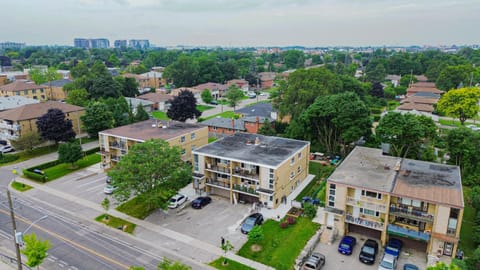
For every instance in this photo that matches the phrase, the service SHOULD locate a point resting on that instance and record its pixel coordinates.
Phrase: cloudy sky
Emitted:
(244, 22)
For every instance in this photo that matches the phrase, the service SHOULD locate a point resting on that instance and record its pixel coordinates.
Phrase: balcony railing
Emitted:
(451, 232)
(225, 183)
(117, 145)
(219, 169)
(364, 222)
(245, 189)
(246, 174)
(8, 126)
(410, 213)
(366, 204)
(404, 232)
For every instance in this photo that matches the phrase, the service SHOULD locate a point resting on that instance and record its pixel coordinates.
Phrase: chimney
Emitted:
(257, 141)
(233, 125)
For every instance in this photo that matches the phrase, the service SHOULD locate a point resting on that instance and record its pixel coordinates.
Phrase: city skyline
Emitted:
(245, 23)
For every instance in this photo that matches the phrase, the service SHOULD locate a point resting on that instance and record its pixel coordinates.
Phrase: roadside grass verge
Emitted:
(160, 115)
(203, 108)
(227, 114)
(63, 169)
(231, 265)
(21, 186)
(280, 246)
(138, 208)
(467, 244)
(116, 223)
(212, 139)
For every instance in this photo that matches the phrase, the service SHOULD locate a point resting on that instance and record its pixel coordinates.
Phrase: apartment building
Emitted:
(378, 196)
(25, 89)
(115, 142)
(250, 168)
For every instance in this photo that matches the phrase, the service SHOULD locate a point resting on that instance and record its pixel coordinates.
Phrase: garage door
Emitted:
(411, 244)
(371, 233)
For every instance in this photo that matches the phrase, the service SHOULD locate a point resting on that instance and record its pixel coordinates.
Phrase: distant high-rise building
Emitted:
(139, 43)
(11, 45)
(81, 43)
(92, 43)
(122, 43)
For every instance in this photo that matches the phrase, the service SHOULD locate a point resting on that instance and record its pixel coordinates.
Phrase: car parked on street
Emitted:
(6, 149)
(177, 200)
(250, 222)
(409, 266)
(314, 262)
(109, 189)
(388, 262)
(346, 245)
(200, 202)
(368, 253)
(394, 247)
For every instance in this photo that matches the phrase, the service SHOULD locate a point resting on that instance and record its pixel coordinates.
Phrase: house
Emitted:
(161, 101)
(197, 93)
(25, 89)
(134, 102)
(262, 110)
(379, 196)
(155, 79)
(54, 89)
(251, 168)
(425, 87)
(7, 103)
(267, 79)
(240, 83)
(3, 79)
(218, 90)
(115, 142)
(422, 102)
(394, 79)
(16, 122)
(225, 126)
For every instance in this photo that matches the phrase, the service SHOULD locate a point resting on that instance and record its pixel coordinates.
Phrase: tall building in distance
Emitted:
(121, 43)
(81, 43)
(139, 43)
(92, 43)
(11, 45)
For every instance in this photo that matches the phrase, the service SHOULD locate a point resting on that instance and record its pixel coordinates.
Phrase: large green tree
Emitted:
(207, 96)
(141, 114)
(78, 97)
(234, 96)
(460, 103)
(463, 147)
(97, 117)
(183, 107)
(27, 141)
(35, 250)
(153, 170)
(183, 72)
(70, 152)
(293, 59)
(53, 126)
(452, 77)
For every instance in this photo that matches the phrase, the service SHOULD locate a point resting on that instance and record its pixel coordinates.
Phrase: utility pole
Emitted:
(14, 226)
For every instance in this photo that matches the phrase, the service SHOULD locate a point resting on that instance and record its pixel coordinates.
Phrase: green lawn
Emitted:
(280, 247)
(227, 114)
(63, 169)
(466, 240)
(454, 123)
(117, 223)
(160, 115)
(137, 207)
(203, 108)
(211, 139)
(231, 265)
(21, 186)
(321, 173)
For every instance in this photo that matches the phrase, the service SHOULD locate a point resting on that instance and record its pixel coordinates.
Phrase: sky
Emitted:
(244, 22)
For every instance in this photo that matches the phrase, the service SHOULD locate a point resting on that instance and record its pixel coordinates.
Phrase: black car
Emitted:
(200, 202)
(369, 251)
(250, 222)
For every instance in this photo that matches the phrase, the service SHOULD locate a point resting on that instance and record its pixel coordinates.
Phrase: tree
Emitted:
(78, 97)
(129, 87)
(377, 90)
(54, 127)
(443, 266)
(70, 152)
(183, 72)
(293, 59)
(141, 114)
(166, 264)
(151, 170)
(405, 133)
(406, 80)
(79, 70)
(452, 77)
(463, 147)
(120, 109)
(460, 103)
(376, 74)
(234, 96)
(27, 141)
(97, 117)
(226, 247)
(267, 129)
(207, 96)
(183, 107)
(35, 250)
(310, 210)
(105, 86)
(106, 205)
(256, 234)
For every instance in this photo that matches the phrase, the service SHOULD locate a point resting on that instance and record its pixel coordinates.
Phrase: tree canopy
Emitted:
(183, 107)
(35, 249)
(78, 97)
(54, 127)
(234, 96)
(70, 152)
(463, 147)
(460, 103)
(97, 117)
(207, 96)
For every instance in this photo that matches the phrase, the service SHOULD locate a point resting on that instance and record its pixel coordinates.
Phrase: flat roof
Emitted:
(152, 129)
(367, 168)
(270, 151)
(430, 181)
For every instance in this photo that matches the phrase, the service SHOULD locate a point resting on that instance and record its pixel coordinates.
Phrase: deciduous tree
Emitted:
(463, 147)
(35, 249)
(207, 96)
(54, 127)
(27, 141)
(70, 152)
(141, 114)
(97, 117)
(78, 97)
(256, 234)
(460, 103)
(166, 264)
(183, 107)
(234, 96)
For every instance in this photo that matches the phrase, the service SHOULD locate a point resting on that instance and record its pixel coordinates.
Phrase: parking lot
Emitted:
(336, 261)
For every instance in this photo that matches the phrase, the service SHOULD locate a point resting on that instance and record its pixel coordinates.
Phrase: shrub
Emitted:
(256, 234)
(8, 158)
(291, 220)
(283, 225)
(310, 210)
(376, 110)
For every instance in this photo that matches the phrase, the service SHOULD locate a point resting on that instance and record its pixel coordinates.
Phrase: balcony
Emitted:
(8, 126)
(115, 158)
(250, 190)
(220, 182)
(248, 174)
(220, 169)
(116, 145)
(366, 204)
(403, 232)
(410, 213)
(364, 222)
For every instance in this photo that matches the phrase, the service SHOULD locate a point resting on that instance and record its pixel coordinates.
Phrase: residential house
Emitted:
(161, 102)
(261, 109)
(394, 79)
(115, 143)
(379, 196)
(134, 102)
(240, 83)
(16, 122)
(251, 168)
(7, 103)
(24, 88)
(419, 102)
(426, 87)
(267, 79)
(197, 93)
(155, 79)
(54, 89)
(224, 126)
(218, 90)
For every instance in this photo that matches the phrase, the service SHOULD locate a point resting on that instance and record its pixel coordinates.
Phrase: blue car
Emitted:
(394, 246)
(346, 245)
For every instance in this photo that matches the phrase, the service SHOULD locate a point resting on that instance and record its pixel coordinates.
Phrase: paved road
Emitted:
(223, 108)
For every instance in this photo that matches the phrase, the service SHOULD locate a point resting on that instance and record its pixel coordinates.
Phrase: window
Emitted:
(369, 212)
(34, 91)
(41, 90)
(292, 161)
(192, 136)
(271, 198)
(182, 139)
(371, 194)
(299, 169)
(331, 197)
(292, 174)
(25, 92)
(299, 156)
(184, 152)
(43, 96)
(193, 147)
(17, 93)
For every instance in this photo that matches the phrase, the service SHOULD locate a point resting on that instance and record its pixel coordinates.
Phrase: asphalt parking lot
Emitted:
(336, 261)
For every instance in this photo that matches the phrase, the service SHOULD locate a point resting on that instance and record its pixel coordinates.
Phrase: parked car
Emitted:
(109, 189)
(388, 262)
(214, 102)
(346, 245)
(177, 200)
(368, 253)
(251, 94)
(250, 222)
(3, 142)
(409, 266)
(314, 262)
(6, 149)
(394, 247)
(200, 202)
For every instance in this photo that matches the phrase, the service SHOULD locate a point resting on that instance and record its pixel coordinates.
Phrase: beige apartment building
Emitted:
(250, 168)
(25, 89)
(379, 196)
(115, 142)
